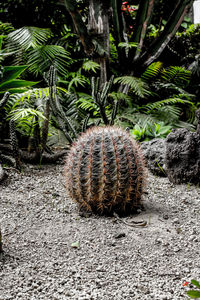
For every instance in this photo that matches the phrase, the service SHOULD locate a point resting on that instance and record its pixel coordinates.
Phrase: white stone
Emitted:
(196, 11)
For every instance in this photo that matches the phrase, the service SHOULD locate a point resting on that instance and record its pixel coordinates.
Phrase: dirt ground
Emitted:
(51, 252)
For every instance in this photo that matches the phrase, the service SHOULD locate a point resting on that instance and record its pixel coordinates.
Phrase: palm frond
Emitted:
(42, 57)
(24, 113)
(137, 85)
(27, 37)
(29, 96)
(6, 28)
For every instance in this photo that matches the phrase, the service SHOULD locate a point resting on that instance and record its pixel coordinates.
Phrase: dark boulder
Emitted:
(154, 153)
(182, 155)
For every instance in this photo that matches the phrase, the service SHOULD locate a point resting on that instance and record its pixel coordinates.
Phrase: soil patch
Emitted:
(51, 252)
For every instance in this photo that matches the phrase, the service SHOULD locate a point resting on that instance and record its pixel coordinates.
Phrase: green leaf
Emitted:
(187, 19)
(196, 283)
(90, 65)
(12, 72)
(14, 90)
(193, 294)
(184, 25)
(165, 129)
(128, 45)
(17, 83)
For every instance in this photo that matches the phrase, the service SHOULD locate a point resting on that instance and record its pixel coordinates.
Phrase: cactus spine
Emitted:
(4, 100)
(14, 144)
(105, 171)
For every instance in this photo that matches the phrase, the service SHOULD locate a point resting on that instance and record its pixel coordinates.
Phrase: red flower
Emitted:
(124, 3)
(185, 283)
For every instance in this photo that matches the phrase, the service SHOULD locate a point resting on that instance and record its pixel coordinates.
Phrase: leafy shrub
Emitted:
(150, 131)
(194, 294)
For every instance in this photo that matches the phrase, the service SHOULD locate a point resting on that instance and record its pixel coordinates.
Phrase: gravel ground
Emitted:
(51, 252)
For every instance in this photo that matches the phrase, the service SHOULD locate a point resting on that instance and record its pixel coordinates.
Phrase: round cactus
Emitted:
(105, 171)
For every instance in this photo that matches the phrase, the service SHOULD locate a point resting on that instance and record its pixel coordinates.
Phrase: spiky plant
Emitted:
(14, 144)
(105, 171)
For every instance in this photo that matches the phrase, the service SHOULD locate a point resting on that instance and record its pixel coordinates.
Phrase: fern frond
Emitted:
(178, 75)
(182, 124)
(78, 80)
(117, 96)
(89, 65)
(152, 71)
(169, 114)
(153, 106)
(170, 87)
(136, 118)
(128, 45)
(86, 103)
(139, 87)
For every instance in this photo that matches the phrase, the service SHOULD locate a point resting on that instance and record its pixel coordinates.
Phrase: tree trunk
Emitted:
(171, 27)
(98, 27)
(142, 20)
(81, 29)
(118, 32)
(95, 38)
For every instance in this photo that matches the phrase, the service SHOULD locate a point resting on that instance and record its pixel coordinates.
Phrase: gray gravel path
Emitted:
(109, 260)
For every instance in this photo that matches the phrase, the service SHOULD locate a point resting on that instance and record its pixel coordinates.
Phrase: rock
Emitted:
(182, 156)
(154, 152)
(119, 235)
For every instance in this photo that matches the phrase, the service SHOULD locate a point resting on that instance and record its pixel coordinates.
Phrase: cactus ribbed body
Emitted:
(105, 171)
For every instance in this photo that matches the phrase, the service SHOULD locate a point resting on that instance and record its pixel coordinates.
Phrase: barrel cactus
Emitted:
(105, 171)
